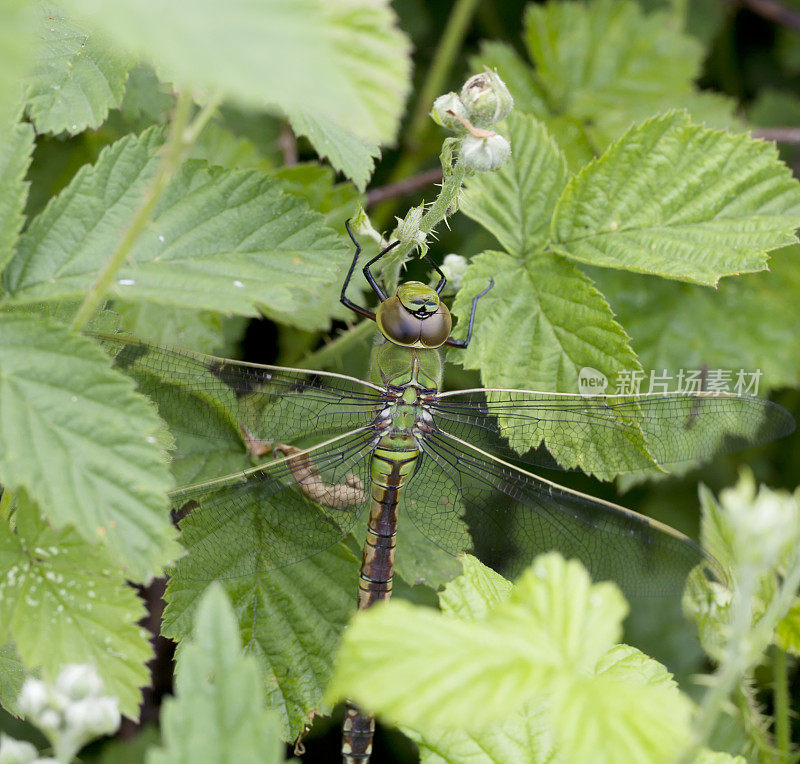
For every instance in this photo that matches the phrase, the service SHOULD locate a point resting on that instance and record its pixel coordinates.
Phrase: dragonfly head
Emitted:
(414, 317)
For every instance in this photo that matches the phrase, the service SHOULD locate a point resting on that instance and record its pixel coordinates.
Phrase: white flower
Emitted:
(79, 680)
(16, 751)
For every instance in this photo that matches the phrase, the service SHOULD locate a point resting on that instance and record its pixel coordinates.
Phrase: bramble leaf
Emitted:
(218, 711)
(678, 200)
(17, 52)
(16, 147)
(735, 328)
(12, 675)
(75, 434)
(290, 619)
(345, 60)
(64, 601)
(78, 76)
(348, 153)
(220, 240)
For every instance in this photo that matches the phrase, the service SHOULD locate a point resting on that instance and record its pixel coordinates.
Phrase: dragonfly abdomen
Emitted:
(392, 463)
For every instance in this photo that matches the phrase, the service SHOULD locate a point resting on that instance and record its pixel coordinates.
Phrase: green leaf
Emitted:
(290, 619)
(77, 77)
(746, 326)
(787, 633)
(681, 201)
(218, 712)
(345, 60)
(476, 592)
(12, 675)
(146, 100)
(64, 601)
(220, 147)
(628, 710)
(17, 51)
(478, 671)
(181, 327)
(75, 434)
(516, 202)
(607, 55)
(220, 240)
(16, 147)
(348, 153)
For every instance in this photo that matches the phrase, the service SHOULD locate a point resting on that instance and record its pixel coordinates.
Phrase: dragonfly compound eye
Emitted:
(410, 328)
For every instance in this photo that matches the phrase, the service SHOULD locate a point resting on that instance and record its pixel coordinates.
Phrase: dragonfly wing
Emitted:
(277, 514)
(213, 397)
(513, 515)
(606, 435)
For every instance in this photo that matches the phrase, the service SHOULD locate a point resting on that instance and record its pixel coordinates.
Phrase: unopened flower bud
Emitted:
(484, 154)
(32, 697)
(93, 716)
(486, 99)
(79, 680)
(408, 230)
(454, 267)
(16, 751)
(444, 111)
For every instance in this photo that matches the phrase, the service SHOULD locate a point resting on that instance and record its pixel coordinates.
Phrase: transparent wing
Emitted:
(276, 514)
(463, 499)
(267, 403)
(609, 434)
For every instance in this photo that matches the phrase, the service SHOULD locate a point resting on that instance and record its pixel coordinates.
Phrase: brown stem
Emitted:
(778, 134)
(287, 144)
(773, 10)
(403, 187)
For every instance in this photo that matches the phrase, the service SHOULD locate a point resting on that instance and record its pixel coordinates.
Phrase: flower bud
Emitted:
(93, 716)
(79, 680)
(484, 154)
(454, 267)
(486, 99)
(16, 751)
(444, 109)
(408, 231)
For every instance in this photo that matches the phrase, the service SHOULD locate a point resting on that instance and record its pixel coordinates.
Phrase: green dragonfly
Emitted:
(447, 463)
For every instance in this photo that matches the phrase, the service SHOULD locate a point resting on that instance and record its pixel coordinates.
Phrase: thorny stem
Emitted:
(181, 136)
(745, 645)
(781, 697)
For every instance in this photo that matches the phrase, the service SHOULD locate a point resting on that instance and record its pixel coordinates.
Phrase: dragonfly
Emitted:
(451, 466)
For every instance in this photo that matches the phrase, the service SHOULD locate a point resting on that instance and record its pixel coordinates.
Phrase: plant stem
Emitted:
(781, 695)
(181, 137)
(443, 60)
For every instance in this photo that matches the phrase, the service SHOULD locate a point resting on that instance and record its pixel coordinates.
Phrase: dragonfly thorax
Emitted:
(414, 317)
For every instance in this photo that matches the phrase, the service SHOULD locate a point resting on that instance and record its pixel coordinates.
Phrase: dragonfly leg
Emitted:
(463, 343)
(344, 299)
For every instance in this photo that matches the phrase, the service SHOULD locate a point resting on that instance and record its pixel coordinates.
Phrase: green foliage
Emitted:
(541, 652)
(63, 600)
(289, 619)
(77, 76)
(210, 224)
(63, 413)
(15, 156)
(681, 201)
(218, 712)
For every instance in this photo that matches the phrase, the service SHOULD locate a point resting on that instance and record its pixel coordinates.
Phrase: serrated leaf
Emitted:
(516, 202)
(474, 593)
(146, 100)
(344, 60)
(75, 434)
(77, 77)
(290, 619)
(17, 51)
(593, 56)
(681, 201)
(16, 148)
(218, 712)
(219, 240)
(63, 601)
(222, 148)
(348, 153)
(12, 675)
(477, 671)
(735, 328)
